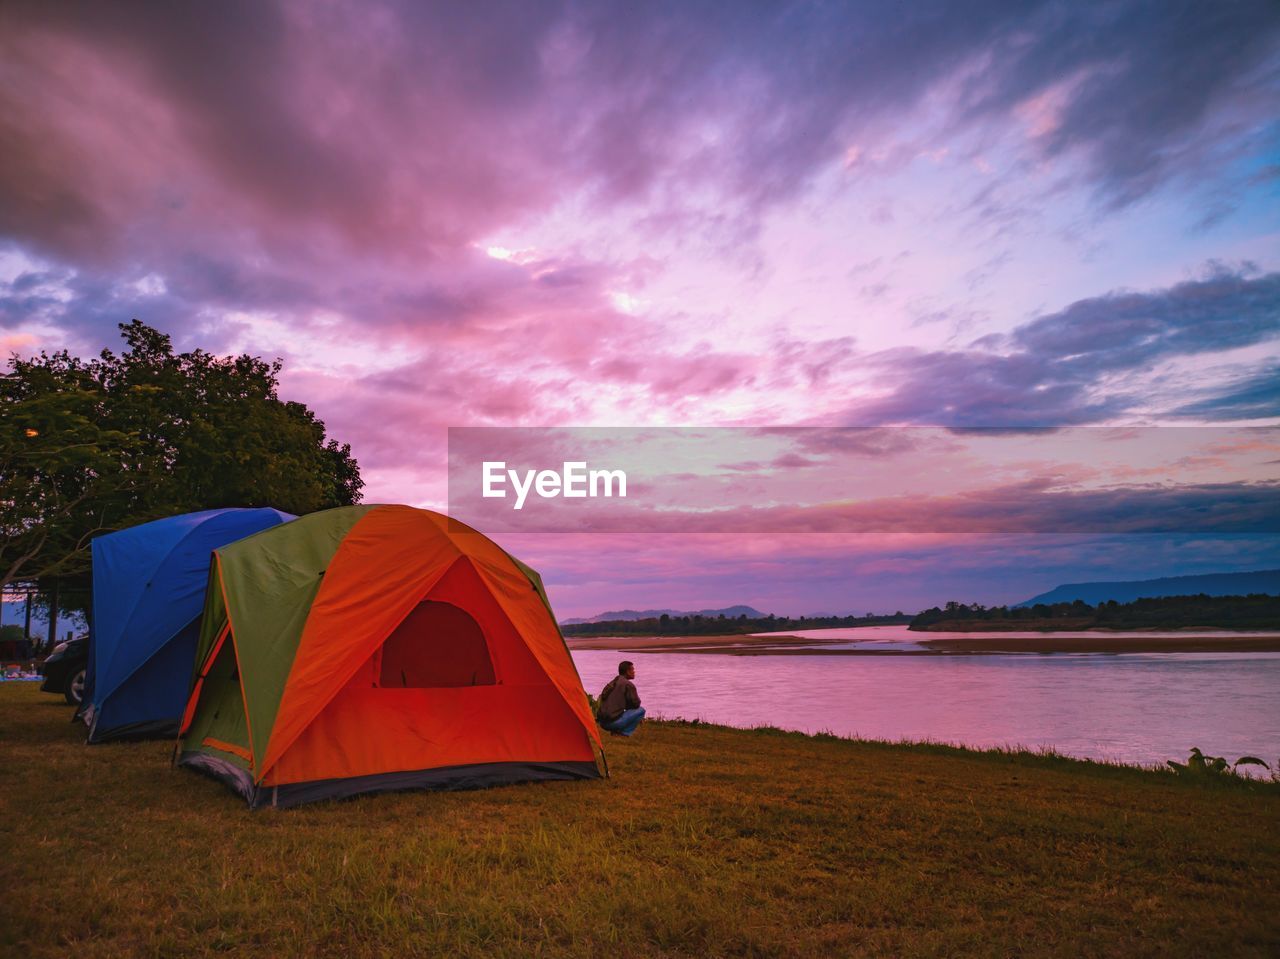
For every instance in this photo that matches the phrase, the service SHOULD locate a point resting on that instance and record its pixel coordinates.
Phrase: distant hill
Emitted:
(1211, 584)
(628, 615)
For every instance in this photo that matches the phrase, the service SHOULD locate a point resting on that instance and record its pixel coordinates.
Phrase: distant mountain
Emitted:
(1211, 584)
(628, 615)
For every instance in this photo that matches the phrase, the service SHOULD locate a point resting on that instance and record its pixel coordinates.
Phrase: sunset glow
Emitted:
(618, 215)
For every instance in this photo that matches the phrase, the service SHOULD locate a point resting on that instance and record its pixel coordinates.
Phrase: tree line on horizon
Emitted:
(1253, 611)
(721, 625)
(92, 446)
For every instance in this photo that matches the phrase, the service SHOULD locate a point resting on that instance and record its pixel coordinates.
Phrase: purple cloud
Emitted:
(1051, 371)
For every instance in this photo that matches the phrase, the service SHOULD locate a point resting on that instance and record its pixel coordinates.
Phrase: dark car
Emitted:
(64, 669)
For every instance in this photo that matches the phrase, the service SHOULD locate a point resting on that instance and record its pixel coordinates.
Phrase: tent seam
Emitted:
(235, 651)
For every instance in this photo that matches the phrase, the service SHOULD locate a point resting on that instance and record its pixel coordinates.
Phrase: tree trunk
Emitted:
(53, 614)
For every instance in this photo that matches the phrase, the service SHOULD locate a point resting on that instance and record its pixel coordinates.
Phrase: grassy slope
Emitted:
(706, 841)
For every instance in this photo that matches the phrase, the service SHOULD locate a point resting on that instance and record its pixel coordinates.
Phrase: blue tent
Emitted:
(148, 594)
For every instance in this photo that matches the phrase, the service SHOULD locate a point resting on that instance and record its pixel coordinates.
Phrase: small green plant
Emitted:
(1198, 764)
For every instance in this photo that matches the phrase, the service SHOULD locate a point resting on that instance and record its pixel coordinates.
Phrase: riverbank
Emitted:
(706, 841)
(922, 644)
(1117, 643)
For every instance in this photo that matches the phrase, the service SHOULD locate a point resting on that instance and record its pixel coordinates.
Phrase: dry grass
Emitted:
(706, 842)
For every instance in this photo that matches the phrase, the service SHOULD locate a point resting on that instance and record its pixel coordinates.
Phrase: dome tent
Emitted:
(148, 595)
(367, 648)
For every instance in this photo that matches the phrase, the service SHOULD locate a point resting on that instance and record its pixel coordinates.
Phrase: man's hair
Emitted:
(624, 666)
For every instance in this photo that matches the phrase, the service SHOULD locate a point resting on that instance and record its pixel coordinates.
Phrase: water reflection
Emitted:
(1134, 708)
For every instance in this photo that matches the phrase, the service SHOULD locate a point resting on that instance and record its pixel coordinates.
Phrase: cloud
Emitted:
(291, 157)
(411, 129)
(1126, 330)
(1253, 395)
(1139, 90)
(1030, 506)
(1076, 365)
(322, 181)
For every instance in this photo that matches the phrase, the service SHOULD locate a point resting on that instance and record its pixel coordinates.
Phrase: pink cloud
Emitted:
(319, 182)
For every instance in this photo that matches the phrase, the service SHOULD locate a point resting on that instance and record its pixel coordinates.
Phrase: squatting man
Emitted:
(620, 711)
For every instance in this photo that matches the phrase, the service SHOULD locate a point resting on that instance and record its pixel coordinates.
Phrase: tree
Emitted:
(66, 471)
(92, 446)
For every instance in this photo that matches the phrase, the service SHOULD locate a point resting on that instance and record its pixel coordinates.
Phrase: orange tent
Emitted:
(380, 647)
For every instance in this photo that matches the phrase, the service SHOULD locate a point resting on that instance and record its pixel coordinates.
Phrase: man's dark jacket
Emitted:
(619, 696)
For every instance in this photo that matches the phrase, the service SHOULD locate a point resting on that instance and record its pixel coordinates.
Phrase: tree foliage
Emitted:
(1255, 611)
(87, 447)
(695, 625)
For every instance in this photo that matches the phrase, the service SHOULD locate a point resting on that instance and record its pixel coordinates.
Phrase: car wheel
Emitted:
(74, 692)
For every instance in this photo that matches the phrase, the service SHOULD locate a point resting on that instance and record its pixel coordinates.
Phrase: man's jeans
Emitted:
(625, 724)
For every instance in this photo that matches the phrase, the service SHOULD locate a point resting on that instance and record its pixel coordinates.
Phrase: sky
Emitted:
(866, 214)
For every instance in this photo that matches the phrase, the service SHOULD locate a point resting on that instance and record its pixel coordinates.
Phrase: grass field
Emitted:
(705, 842)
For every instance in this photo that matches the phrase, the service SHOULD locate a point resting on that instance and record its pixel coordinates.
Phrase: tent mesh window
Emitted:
(438, 644)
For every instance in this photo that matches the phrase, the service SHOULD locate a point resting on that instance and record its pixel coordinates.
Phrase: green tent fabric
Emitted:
(269, 584)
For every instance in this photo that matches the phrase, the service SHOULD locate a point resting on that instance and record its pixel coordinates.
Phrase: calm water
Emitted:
(900, 638)
(1135, 708)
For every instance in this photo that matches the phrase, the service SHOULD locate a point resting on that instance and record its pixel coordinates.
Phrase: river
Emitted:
(1141, 708)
